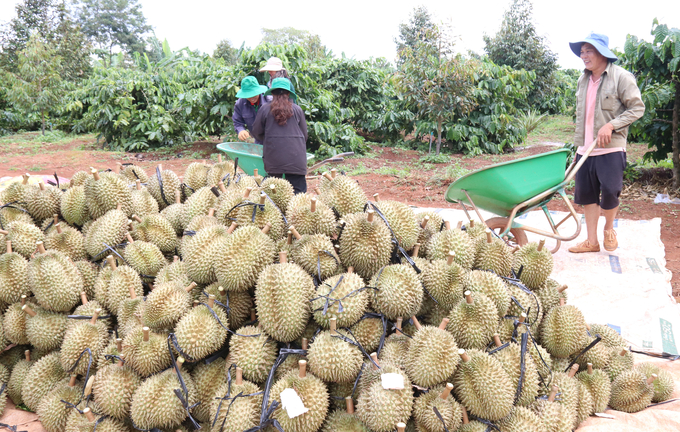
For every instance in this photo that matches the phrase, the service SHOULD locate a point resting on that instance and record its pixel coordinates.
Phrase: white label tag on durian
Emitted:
(603, 415)
(392, 381)
(291, 402)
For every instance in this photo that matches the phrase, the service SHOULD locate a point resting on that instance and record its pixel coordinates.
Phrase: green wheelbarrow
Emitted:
(512, 189)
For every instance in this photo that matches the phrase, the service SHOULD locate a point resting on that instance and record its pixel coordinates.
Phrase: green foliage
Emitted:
(530, 119)
(417, 29)
(435, 158)
(311, 43)
(227, 52)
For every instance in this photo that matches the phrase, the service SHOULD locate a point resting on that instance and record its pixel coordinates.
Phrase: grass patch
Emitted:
(357, 170)
(557, 128)
(435, 158)
(35, 168)
(35, 138)
(395, 172)
(447, 175)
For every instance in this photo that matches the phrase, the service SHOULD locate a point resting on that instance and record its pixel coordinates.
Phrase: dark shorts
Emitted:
(298, 181)
(600, 180)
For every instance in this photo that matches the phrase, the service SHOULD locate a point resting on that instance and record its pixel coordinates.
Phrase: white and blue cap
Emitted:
(599, 41)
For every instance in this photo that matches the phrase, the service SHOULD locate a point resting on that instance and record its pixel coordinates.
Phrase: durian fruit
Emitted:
(142, 201)
(522, 419)
(397, 293)
(242, 256)
(196, 175)
(44, 329)
(207, 379)
(162, 185)
(11, 214)
(54, 280)
(483, 386)
(550, 294)
(586, 404)
(13, 275)
(144, 257)
(550, 412)
(443, 279)
(536, 263)
(455, 240)
(402, 221)
(16, 192)
(313, 393)
(430, 224)
(471, 425)
(68, 241)
(448, 408)
(23, 236)
(14, 322)
(146, 352)
(598, 384)
(380, 408)
(315, 254)
(176, 271)
(473, 321)
(220, 172)
(333, 359)
(282, 296)
(310, 215)
(227, 203)
(78, 179)
(252, 351)
(663, 384)
(476, 231)
(105, 192)
(569, 395)
(493, 254)
(114, 284)
(632, 391)
(368, 332)
(563, 330)
(395, 349)
(89, 419)
(89, 271)
(42, 202)
(263, 216)
(199, 202)
(16, 379)
(610, 337)
(291, 362)
(239, 304)
(200, 251)
(598, 355)
(525, 301)
(621, 360)
(166, 304)
(199, 333)
(431, 356)
(511, 359)
(490, 285)
(365, 243)
(338, 291)
(110, 229)
(342, 193)
(133, 173)
(155, 404)
(344, 420)
(202, 221)
(279, 190)
(174, 213)
(244, 412)
(41, 378)
(73, 206)
(52, 410)
(92, 335)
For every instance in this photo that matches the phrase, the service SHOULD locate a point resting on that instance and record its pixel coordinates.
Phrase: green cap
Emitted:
(250, 87)
(283, 84)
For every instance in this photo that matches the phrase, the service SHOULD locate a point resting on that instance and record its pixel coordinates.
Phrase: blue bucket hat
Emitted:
(599, 41)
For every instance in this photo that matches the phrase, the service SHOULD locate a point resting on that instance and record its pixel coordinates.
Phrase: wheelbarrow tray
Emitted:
(249, 156)
(500, 188)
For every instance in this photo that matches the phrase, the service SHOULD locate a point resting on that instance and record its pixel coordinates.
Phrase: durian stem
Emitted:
(447, 391)
(178, 196)
(652, 378)
(119, 206)
(587, 326)
(95, 174)
(463, 355)
(295, 232)
(562, 302)
(55, 218)
(515, 249)
(27, 355)
(160, 168)
(136, 218)
(119, 345)
(553, 393)
(350, 405)
(222, 291)
(522, 317)
(312, 206)
(190, 287)
(221, 187)
(590, 368)
(263, 198)
(88, 386)
(497, 340)
(83, 297)
(623, 352)
(28, 310)
(401, 427)
(145, 332)
(41, 247)
(72, 381)
(374, 356)
(219, 159)
(232, 227)
(129, 238)
(303, 368)
(211, 212)
(333, 324)
(138, 184)
(489, 238)
(283, 257)
(180, 362)
(117, 168)
(256, 172)
(416, 323)
(423, 224)
(316, 191)
(398, 323)
(305, 344)
(447, 225)
(253, 315)
(211, 300)
(459, 225)
(41, 185)
(350, 270)
(25, 180)
(89, 414)
(450, 257)
(58, 227)
(540, 245)
(376, 197)
(266, 228)
(175, 259)
(562, 288)
(444, 323)
(133, 294)
(121, 362)
(369, 217)
(272, 188)
(334, 172)
(246, 194)
(239, 376)
(573, 370)
(9, 246)
(23, 299)
(289, 240)
(4, 232)
(95, 315)
(466, 420)
(416, 249)
(328, 176)
(468, 297)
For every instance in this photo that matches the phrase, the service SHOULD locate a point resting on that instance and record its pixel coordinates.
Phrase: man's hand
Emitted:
(243, 135)
(604, 136)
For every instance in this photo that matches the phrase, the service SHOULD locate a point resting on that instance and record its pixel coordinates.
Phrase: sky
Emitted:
(364, 29)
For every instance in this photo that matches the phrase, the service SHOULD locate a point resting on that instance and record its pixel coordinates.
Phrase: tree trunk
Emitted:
(676, 138)
(439, 134)
(42, 113)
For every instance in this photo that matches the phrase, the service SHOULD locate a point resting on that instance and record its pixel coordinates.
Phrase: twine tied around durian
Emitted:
(354, 342)
(397, 247)
(212, 312)
(228, 396)
(3, 425)
(89, 365)
(160, 185)
(11, 205)
(182, 394)
(597, 340)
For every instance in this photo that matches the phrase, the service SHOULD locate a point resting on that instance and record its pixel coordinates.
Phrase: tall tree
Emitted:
(415, 31)
(37, 85)
(289, 36)
(226, 51)
(519, 46)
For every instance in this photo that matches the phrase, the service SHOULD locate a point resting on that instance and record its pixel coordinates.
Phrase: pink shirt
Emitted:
(591, 96)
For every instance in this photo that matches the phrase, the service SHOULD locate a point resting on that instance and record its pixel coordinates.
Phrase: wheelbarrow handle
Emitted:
(574, 167)
(342, 155)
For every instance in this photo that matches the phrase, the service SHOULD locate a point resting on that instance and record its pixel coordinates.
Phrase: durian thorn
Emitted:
(652, 378)
(562, 288)
(444, 323)
(41, 247)
(376, 197)
(138, 184)
(136, 218)
(416, 323)
(489, 238)
(95, 315)
(623, 352)
(540, 245)
(463, 355)
(401, 427)
(450, 257)
(350, 269)
(58, 227)
(88, 386)
(239, 376)
(221, 187)
(27, 355)
(180, 362)
(468, 297)
(266, 228)
(334, 172)
(562, 302)
(289, 240)
(178, 196)
(466, 420)
(175, 258)
(83, 297)
(374, 357)
(211, 300)
(232, 227)
(416, 249)
(190, 287)
(246, 194)
(553, 393)
(447, 225)
(295, 232)
(350, 405)
(119, 206)
(305, 343)
(312, 205)
(459, 225)
(334, 325)
(23, 299)
(522, 317)
(328, 176)
(129, 238)
(25, 178)
(497, 340)
(41, 185)
(72, 381)
(369, 217)
(283, 257)
(573, 370)
(447, 391)
(426, 219)
(302, 373)
(119, 345)
(398, 323)
(89, 414)
(9, 246)
(145, 332)
(4, 232)
(211, 212)
(590, 368)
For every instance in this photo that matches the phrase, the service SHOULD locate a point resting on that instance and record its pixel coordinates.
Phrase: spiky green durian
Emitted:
(511, 359)
(89, 271)
(220, 172)
(632, 391)
(16, 191)
(133, 173)
(314, 395)
(522, 419)
(158, 230)
(341, 420)
(243, 412)
(73, 206)
(569, 396)
(663, 384)
(196, 175)
(599, 354)
(174, 214)
(13, 214)
(473, 321)
(610, 337)
(254, 352)
(144, 257)
(431, 356)
(200, 253)
(80, 421)
(455, 240)
(563, 331)
(398, 291)
(268, 214)
(239, 303)
(162, 185)
(41, 378)
(490, 285)
(199, 333)
(340, 290)
(166, 304)
(621, 360)
(146, 352)
(114, 284)
(368, 332)
(333, 359)
(483, 386)
(430, 223)
(175, 271)
(310, 215)
(315, 254)
(551, 413)
(525, 302)
(143, 203)
(241, 258)
(395, 350)
(227, 204)
(365, 243)
(104, 192)
(493, 254)
(78, 179)
(42, 202)
(402, 220)
(598, 385)
(13, 276)
(110, 229)
(202, 221)
(68, 241)
(52, 410)
(447, 407)
(14, 322)
(16, 379)
(342, 193)
(443, 279)
(550, 294)
(23, 236)
(279, 190)
(207, 379)
(199, 203)
(54, 280)
(536, 263)
(93, 335)
(381, 409)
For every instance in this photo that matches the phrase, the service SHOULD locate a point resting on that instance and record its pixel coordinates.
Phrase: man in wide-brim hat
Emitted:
(607, 102)
(246, 107)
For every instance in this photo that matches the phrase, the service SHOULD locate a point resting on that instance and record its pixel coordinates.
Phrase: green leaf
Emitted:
(649, 56)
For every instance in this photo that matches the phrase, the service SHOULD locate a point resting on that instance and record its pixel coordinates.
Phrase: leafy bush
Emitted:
(530, 119)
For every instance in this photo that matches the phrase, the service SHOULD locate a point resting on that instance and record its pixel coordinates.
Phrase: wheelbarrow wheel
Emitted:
(498, 224)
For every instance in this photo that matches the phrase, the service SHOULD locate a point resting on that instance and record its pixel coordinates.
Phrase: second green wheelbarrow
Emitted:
(511, 189)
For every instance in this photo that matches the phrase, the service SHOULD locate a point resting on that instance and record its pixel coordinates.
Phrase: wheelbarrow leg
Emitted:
(553, 227)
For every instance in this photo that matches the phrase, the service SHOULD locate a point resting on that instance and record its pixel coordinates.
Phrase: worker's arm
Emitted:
(259, 125)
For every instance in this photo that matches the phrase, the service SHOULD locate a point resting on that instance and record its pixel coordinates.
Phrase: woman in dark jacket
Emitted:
(281, 128)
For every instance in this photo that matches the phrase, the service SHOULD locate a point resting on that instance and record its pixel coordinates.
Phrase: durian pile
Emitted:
(149, 301)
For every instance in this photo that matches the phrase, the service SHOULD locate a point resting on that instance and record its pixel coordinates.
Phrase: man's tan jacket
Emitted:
(618, 102)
